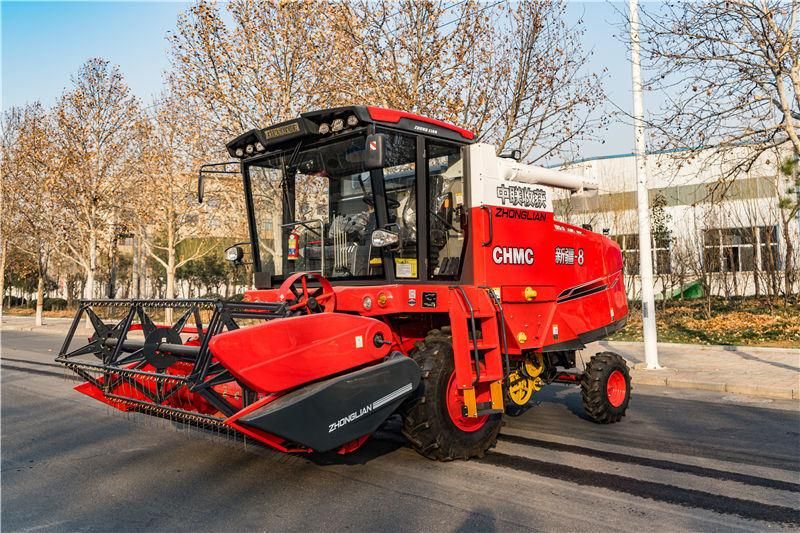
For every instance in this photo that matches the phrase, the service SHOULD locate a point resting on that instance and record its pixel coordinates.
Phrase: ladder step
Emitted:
(482, 346)
(485, 408)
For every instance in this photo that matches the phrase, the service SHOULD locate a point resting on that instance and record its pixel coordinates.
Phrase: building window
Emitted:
(741, 249)
(629, 243)
(768, 244)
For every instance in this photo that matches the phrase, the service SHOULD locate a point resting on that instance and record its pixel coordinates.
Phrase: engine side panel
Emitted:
(559, 283)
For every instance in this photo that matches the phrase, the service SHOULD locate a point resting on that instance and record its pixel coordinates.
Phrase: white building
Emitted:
(717, 226)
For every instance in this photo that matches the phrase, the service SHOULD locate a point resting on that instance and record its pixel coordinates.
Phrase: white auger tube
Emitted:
(513, 171)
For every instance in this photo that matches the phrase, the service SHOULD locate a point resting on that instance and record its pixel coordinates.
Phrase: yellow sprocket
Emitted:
(522, 383)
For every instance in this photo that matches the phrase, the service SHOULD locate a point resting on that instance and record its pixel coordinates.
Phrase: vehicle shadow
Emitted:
(386, 440)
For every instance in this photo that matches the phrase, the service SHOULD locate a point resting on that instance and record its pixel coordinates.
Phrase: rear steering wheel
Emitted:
(300, 297)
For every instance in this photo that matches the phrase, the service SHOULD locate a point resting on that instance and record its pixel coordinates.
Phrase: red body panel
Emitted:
(520, 249)
(283, 354)
(382, 114)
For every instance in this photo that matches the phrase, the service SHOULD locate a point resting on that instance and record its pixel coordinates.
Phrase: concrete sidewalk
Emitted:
(754, 371)
(58, 326)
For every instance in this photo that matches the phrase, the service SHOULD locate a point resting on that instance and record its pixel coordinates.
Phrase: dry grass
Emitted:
(750, 322)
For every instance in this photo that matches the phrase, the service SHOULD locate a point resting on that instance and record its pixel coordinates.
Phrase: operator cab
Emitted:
(361, 195)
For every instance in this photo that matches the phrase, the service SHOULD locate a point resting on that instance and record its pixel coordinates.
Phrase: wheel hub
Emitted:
(616, 388)
(455, 408)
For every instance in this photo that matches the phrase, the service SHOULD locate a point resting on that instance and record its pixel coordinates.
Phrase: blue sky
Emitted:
(44, 43)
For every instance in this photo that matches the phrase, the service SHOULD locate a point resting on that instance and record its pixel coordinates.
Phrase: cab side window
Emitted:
(447, 217)
(400, 184)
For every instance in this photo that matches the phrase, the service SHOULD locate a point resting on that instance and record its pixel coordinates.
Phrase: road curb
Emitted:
(657, 378)
(38, 329)
(723, 347)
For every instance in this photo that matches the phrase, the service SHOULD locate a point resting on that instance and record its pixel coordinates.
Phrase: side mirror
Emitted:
(374, 151)
(382, 238)
(234, 254)
(200, 187)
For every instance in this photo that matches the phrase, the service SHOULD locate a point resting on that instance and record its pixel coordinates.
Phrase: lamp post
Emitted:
(643, 203)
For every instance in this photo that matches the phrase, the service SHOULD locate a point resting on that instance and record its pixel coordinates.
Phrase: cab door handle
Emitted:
(488, 210)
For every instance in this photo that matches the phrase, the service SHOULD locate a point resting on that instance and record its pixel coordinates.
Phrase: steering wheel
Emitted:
(295, 291)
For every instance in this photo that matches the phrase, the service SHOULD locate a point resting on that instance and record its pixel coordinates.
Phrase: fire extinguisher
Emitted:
(293, 251)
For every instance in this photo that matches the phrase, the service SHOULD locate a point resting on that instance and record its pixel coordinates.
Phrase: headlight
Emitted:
(239, 152)
(234, 254)
(352, 120)
(367, 302)
(337, 125)
(259, 147)
(324, 128)
(249, 149)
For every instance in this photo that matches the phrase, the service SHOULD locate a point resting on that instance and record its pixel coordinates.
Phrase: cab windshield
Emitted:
(315, 209)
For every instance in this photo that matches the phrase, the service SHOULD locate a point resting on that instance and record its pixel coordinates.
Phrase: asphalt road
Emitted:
(678, 461)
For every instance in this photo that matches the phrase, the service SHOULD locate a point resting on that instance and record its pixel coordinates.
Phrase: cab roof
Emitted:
(331, 122)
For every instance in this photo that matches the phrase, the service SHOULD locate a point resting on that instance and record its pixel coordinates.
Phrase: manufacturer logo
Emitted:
(377, 404)
(531, 198)
(279, 131)
(423, 129)
(519, 214)
(503, 255)
(355, 415)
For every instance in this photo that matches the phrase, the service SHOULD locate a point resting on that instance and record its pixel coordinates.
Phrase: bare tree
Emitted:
(97, 123)
(262, 67)
(166, 198)
(546, 100)
(729, 72)
(515, 73)
(28, 179)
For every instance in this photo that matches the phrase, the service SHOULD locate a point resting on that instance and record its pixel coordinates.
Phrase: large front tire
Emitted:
(432, 421)
(606, 388)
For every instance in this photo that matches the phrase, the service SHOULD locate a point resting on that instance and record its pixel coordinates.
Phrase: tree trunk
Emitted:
(70, 284)
(40, 300)
(142, 289)
(112, 267)
(88, 288)
(170, 281)
(3, 251)
(788, 265)
(135, 268)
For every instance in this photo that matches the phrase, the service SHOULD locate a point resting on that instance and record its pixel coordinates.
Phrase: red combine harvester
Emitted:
(399, 267)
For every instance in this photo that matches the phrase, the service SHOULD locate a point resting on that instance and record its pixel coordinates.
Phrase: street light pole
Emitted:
(643, 204)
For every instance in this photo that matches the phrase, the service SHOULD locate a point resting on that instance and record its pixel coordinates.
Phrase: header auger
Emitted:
(402, 268)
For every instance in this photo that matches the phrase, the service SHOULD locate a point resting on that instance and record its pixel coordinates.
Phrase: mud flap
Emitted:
(330, 413)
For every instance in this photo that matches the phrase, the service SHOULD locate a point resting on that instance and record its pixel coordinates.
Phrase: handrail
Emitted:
(475, 351)
(491, 228)
(496, 300)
